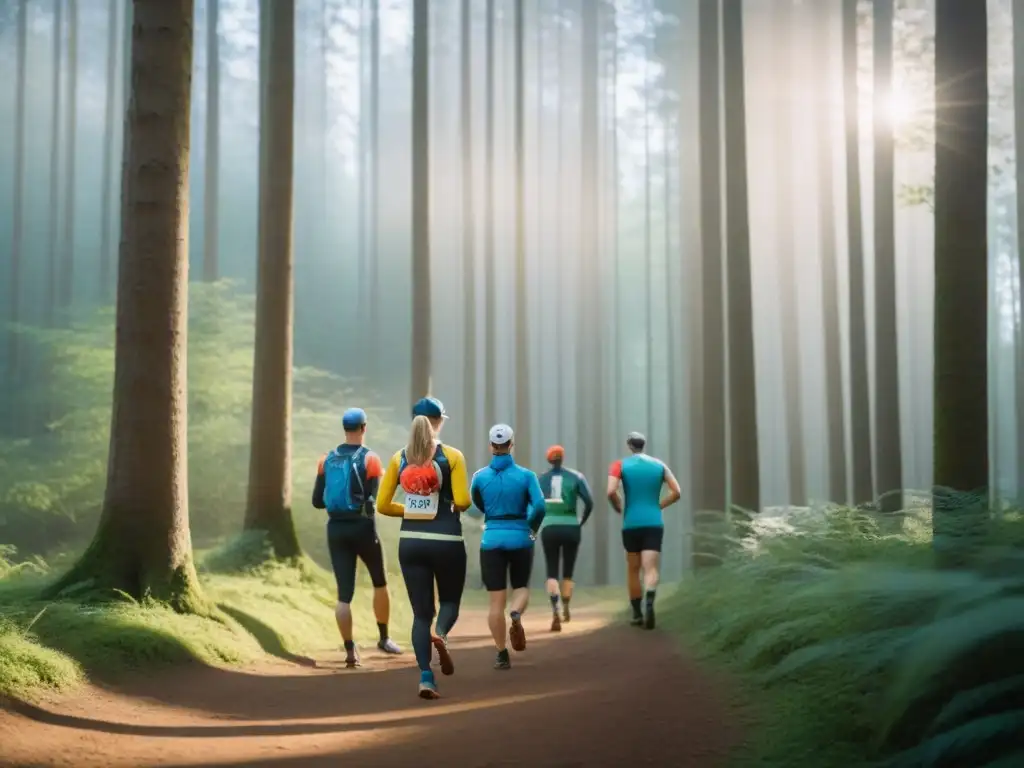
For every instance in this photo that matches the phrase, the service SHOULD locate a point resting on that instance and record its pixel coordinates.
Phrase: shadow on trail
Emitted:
(265, 635)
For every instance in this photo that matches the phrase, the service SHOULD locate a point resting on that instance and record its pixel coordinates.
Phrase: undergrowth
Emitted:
(277, 609)
(855, 650)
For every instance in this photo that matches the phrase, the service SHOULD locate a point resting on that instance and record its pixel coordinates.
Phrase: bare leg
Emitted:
(496, 618)
(651, 561)
(633, 585)
(343, 615)
(381, 605)
(567, 586)
(520, 599)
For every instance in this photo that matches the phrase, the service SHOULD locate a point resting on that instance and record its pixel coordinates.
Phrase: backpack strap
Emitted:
(358, 467)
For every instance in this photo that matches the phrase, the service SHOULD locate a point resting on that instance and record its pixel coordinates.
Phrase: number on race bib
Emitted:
(420, 507)
(556, 488)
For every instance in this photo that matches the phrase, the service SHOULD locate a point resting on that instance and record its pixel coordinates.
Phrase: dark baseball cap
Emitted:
(430, 407)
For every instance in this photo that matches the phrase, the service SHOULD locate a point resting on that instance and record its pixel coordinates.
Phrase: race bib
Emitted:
(420, 507)
(556, 488)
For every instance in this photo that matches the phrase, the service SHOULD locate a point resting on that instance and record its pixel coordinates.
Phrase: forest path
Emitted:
(596, 694)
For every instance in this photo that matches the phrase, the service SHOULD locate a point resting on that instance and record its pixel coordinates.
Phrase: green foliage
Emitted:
(52, 484)
(856, 650)
(275, 609)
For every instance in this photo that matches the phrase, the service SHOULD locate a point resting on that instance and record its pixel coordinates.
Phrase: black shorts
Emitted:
(348, 540)
(560, 542)
(648, 539)
(501, 567)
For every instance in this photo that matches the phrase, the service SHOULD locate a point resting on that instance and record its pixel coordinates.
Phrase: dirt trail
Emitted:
(594, 695)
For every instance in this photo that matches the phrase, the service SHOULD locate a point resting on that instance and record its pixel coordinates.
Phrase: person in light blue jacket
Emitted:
(512, 504)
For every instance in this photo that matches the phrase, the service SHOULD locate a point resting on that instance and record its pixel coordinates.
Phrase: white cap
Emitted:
(501, 434)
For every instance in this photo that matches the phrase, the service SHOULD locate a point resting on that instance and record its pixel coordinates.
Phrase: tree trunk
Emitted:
(820, 33)
(52, 264)
(67, 263)
(17, 203)
(961, 269)
(372, 267)
(745, 477)
(559, 207)
(211, 175)
(648, 297)
(1018, 137)
(468, 231)
(590, 436)
(142, 545)
(421, 319)
(361, 170)
(887, 382)
(860, 388)
(269, 500)
(490, 359)
(788, 274)
(522, 330)
(107, 193)
(710, 480)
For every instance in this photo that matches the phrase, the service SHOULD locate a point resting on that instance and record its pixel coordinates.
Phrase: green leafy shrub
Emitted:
(859, 650)
(52, 484)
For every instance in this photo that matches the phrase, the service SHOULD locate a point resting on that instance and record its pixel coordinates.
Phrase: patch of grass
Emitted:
(284, 610)
(852, 649)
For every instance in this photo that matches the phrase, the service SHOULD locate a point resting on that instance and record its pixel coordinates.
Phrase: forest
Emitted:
(777, 237)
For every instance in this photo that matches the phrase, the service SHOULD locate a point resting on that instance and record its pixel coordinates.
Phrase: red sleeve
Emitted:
(373, 466)
(615, 470)
(320, 466)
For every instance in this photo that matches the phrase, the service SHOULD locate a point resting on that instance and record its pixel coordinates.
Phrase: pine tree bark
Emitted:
(211, 174)
(961, 271)
(745, 477)
(107, 193)
(142, 545)
(17, 201)
(860, 388)
(888, 452)
(269, 497)
(67, 250)
(421, 309)
(468, 230)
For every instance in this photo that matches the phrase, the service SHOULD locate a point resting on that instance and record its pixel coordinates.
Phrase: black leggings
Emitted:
(347, 541)
(560, 541)
(424, 562)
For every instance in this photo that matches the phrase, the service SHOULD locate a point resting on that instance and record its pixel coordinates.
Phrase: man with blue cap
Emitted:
(346, 486)
(513, 507)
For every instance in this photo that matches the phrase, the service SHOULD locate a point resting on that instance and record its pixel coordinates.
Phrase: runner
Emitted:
(560, 536)
(430, 547)
(513, 508)
(641, 477)
(346, 483)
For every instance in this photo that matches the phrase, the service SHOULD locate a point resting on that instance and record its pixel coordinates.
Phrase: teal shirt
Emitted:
(642, 477)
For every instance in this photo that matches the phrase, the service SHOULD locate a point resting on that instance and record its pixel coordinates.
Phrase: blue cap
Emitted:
(430, 407)
(353, 419)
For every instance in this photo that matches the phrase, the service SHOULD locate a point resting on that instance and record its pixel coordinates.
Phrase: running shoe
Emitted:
(389, 646)
(503, 661)
(649, 619)
(517, 635)
(443, 656)
(556, 623)
(428, 688)
(352, 658)
(637, 620)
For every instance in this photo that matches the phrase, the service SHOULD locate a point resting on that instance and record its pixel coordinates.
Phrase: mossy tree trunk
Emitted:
(142, 546)
(269, 499)
(961, 462)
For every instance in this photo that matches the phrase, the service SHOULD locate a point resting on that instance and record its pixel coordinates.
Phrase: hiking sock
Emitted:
(515, 616)
(554, 603)
(649, 600)
(350, 645)
(422, 645)
(635, 603)
(447, 615)
(383, 629)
